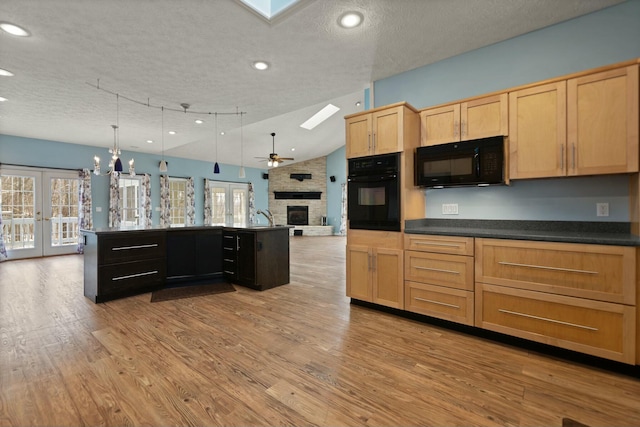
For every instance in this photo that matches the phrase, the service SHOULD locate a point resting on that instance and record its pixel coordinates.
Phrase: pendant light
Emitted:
(216, 167)
(241, 174)
(163, 164)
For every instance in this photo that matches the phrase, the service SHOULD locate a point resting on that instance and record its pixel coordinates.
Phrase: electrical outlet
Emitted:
(449, 209)
(602, 209)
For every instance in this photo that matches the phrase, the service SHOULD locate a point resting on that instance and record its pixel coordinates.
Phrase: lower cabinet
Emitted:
(375, 267)
(438, 273)
(193, 254)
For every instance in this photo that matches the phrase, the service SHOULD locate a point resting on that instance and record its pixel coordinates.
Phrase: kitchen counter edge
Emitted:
(109, 230)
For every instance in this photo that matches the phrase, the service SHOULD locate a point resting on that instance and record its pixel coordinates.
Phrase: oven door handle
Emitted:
(376, 178)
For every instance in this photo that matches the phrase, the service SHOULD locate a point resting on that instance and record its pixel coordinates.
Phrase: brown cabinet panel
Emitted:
(453, 245)
(454, 305)
(454, 271)
(131, 246)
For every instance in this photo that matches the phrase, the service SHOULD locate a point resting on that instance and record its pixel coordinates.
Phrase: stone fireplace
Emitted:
(297, 215)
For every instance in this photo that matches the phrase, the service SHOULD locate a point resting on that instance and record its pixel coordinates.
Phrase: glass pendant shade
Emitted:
(216, 168)
(242, 174)
(163, 166)
(117, 166)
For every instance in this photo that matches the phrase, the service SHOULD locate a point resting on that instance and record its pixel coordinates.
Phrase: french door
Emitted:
(229, 203)
(39, 212)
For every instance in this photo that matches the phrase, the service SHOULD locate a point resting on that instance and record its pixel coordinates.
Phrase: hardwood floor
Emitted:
(298, 354)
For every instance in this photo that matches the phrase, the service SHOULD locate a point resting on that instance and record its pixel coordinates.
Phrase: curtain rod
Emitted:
(39, 167)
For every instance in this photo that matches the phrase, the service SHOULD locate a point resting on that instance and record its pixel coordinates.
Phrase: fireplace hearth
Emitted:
(297, 215)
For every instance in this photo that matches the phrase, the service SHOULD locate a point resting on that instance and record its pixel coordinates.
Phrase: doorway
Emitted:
(229, 203)
(39, 212)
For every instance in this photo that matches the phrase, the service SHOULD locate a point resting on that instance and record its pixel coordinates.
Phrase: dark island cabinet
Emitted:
(256, 258)
(193, 254)
(118, 265)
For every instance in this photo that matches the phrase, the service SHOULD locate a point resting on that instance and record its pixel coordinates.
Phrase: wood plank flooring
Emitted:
(298, 354)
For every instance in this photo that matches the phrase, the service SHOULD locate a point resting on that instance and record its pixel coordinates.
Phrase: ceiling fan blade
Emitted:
(285, 158)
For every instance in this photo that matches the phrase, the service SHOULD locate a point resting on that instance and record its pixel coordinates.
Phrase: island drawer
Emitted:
(437, 301)
(131, 246)
(599, 272)
(131, 275)
(454, 245)
(453, 271)
(599, 328)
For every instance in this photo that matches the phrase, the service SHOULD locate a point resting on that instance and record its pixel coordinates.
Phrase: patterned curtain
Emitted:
(3, 249)
(146, 200)
(208, 203)
(191, 202)
(165, 202)
(115, 211)
(85, 220)
(343, 211)
(252, 205)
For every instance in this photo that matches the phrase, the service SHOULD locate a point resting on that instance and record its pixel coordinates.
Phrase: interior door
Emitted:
(39, 212)
(229, 204)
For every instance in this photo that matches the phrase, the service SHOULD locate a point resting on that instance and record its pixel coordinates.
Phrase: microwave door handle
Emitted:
(376, 178)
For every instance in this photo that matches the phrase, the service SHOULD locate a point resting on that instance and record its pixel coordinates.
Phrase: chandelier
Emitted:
(115, 164)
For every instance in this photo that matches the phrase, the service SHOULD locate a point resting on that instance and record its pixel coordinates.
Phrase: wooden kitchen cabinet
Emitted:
(374, 267)
(379, 131)
(586, 125)
(473, 119)
(577, 296)
(439, 277)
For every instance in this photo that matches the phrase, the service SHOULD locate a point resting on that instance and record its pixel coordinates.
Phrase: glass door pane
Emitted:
(240, 199)
(61, 205)
(21, 213)
(229, 204)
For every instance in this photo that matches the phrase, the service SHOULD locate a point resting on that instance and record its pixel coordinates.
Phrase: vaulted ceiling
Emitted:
(200, 53)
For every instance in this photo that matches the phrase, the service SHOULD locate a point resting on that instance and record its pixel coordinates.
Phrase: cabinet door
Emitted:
(484, 117)
(359, 272)
(388, 283)
(246, 265)
(537, 131)
(440, 125)
(181, 253)
(358, 137)
(387, 130)
(209, 252)
(603, 122)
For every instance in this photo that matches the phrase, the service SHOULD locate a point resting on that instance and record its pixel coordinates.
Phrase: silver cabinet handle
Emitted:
(562, 157)
(237, 243)
(573, 156)
(543, 267)
(452, 245)
(546, 319)
(229, 260)
(455, 128)
(463, 130)
(369, 141)
(131, 276)
(417, 267)
(230, 272)
(374, 141)
(124, 248)
(437, 302)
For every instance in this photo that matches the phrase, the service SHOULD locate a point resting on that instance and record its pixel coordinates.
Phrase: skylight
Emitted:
(269, 9)
(320, 117)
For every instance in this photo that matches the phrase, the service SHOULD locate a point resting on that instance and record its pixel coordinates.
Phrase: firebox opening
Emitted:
(297, 215)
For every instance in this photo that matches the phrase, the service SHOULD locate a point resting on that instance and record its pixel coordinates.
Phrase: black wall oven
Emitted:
(373, 192)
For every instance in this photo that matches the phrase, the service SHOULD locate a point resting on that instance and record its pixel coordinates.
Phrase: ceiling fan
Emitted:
(274, 159)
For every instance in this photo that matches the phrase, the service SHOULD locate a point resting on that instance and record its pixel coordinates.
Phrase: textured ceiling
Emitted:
(199, 52)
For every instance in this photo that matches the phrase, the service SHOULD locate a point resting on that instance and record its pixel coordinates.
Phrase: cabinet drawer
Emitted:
(131, 275)
(440, 244)
(594, 327)
(131, 246)
(453, 271)
(444, 303)
(606, 273)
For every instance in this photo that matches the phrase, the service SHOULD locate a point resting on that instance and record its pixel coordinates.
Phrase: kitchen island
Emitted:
(123, 262)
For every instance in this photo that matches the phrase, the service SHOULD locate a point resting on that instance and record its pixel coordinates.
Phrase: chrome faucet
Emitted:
(267, 215)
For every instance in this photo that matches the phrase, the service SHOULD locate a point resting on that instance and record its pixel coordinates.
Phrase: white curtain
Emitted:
(208, 203)
(115, 211)
(191, 202)
(252, 205)
(3, 249)
(146, 200)
(165, 202)
(343, 211)
(85, 220)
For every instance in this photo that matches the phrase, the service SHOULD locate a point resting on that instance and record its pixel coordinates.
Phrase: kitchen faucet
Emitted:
(267, 215)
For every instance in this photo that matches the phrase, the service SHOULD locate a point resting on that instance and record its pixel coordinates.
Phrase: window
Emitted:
(229, 203)
(178, 202)
(130, 196)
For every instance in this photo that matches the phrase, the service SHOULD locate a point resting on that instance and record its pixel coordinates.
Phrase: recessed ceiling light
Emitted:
(357, 103)
(149, 141)
(222, 133)
(320, 117)
(350, 19)
(5, 73)
(172, 132)
(2, 99)
(198, 121)
(14, 29)
(260, 65)
(293, 149)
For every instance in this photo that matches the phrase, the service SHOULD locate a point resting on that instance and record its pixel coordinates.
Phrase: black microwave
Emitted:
(478, 162)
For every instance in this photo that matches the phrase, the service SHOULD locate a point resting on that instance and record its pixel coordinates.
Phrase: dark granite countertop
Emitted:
(106, 230)
(601, 233)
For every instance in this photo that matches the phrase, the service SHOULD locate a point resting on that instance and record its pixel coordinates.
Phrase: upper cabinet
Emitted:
(379, 131)
(477, 118)
(586, 125)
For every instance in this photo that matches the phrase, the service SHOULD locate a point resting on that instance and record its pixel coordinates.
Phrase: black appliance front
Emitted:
(477, 162)
(373, 192)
